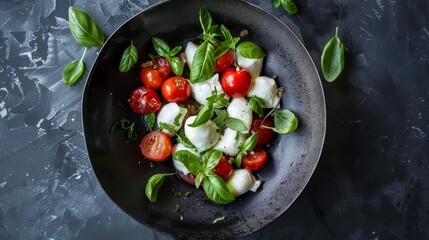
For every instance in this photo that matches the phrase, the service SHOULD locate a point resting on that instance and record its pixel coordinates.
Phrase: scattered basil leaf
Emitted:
(205, 19)
(177, 193)
(216, 190)
(204, 115)
(276, 3)
(203, 63)
(285, 122)
(129, 58)
(218, 219)
(154, 184)
(235, 124)
(248, 49)
(211, 158)
(288, 5)
(218, 99)
(73, 71)
(189, 193)
(177, 208)
(149, 121)
(176, 65)
(161, 47)
(257, 104)
(247, 146)
(191, 162)
(84, 29)
(151, 164)
(332, 60)
(127, 125)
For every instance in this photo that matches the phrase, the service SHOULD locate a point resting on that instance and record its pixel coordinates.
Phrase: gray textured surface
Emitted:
(372, 181)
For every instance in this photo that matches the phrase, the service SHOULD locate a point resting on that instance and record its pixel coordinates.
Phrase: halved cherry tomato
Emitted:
(153, 76)
(255, 159)
(176, 89)
(144, 100)
(236, 83)
(224, 61)
(265, 135)
(156, 146)
(223, 169)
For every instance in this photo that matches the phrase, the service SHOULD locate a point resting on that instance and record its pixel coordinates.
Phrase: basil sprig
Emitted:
(246, 147)
(220, 120)
(214, 187)
(154, 184)
(249, 49)
(288, 5)
(162, 48)
(206, 112)
(127, 125)
(129, 58)
(203, 64)
(235, 124)
(74, 70)
(332, 60)
(285, 122)
(257, 104)
(84, 29)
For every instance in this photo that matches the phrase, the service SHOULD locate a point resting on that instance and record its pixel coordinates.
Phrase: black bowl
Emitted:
(123, 172)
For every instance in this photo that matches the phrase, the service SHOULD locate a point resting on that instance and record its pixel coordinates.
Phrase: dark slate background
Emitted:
(372, 181)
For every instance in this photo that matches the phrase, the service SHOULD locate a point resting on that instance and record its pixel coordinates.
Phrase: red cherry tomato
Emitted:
(255, 159)
(236, 83)
(156, 146)
(176, 89)
(144, 100)
(153, 76)
(265, 135)
(223, 169)
(224, 61)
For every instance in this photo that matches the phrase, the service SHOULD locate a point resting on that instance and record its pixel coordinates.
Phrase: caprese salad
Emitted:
(215, 120)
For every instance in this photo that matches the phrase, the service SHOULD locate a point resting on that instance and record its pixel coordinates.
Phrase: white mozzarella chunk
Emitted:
(266, 89)
(179, 165)
(171, 114)
(241, 181)
(229, 142)
(190, 50)
(202, 137)
(239, 108)
(204, 89)
(254, 66)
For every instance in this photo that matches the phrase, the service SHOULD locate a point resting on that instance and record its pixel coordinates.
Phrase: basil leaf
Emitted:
(74, 70)
(257, 104)
(203, 63)
(288, 5)
(285, 122)
(129, 58)
(200, 177)
(125, 125)
(154, 184)
(235, 124)
(149, 121)
(161, 47)
(181, 138)
(216, 190)
(203, 116)
(276, 3)
(175, 51)
(191, 162)
(205, 19)
(176, 65)
(218, 219)
(248, 49)
(211, 158)
(248, 145)
(177, 119)
(167, 127)
(332, 60)
(220, 51)
(84, 29)
(226, 33)
(238, 159)
(219, 120)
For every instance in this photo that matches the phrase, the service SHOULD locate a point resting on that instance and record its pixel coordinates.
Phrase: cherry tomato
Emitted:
(176, 89)
(223, 169)
(265, 135)
(144, 100)
(236, 83)
(224, 61)
(153, 76)
(156, 146)
(188, 178)
(255, 159)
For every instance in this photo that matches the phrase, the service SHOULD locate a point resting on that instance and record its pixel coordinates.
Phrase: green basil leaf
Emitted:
(257, 104)
(154, 184)
(238, 159)
(285, 121)
(177, 65)
(219, 120)
(289, 6)
(211, 158)
(161, 47)
(175, 51)
(276, 3)
(167, 127)
(205, 19)
(220, 51)
(250, 142)
(149, 121)
(200, 177)
(129, 58)
(203, 116)
(125, 125)
(332, 60)
(191, 162)
(218, 219)
(226, 34)
(235, 124)
(84, 29)
(74, 70)
(181, 138)
(248, 49)
(216, 190)
(203, 63)
(177, 119)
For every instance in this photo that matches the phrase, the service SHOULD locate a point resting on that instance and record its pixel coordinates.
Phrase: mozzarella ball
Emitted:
(254, 66)
(266, 89)
(204, 89)
(229, 142)
(202, 137)
(241, 181)
(179, 165)
(239, 108)
(171, 114)
(190, 50)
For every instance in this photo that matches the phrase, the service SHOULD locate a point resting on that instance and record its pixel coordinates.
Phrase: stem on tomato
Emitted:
(280, 92)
